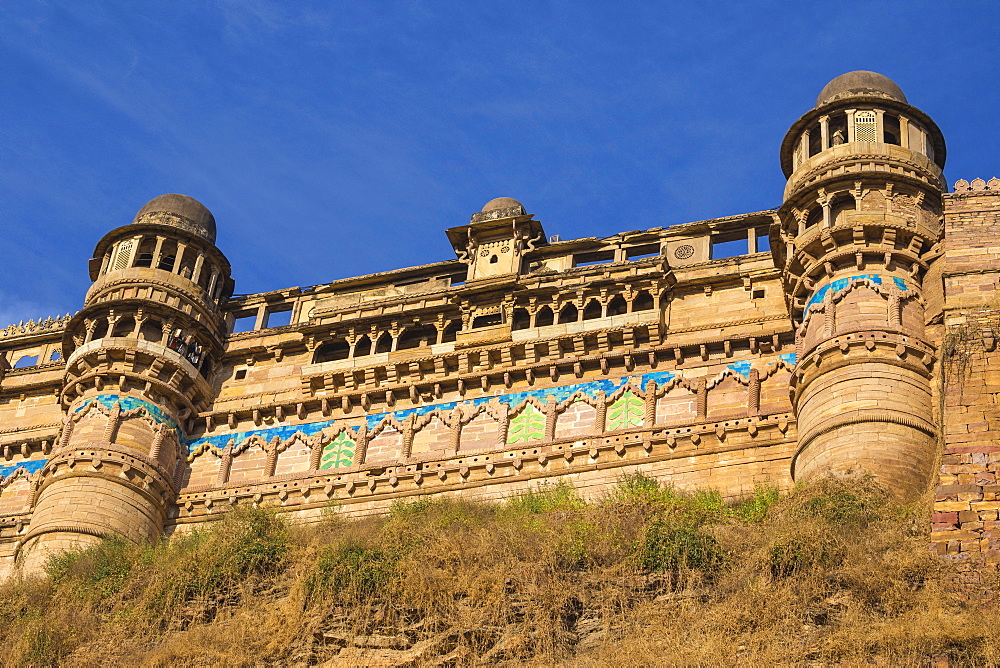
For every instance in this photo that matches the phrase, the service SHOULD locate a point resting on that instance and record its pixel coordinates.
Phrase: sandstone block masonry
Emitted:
(850, 329)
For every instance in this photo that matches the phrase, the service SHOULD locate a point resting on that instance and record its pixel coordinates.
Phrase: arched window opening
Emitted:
(187, 264)
(144, 253)
(192, 351)
(568, 313)
(487, 320)
(166, 262)
(55, 356)
(544, 317)
(330, 351)
(124, 326)
(205, 276)
(815, 140)
(151, 330)
(838, 129)
(416, 337)
(521, 319)
(384, 343)
(643, 301)
(617, 305)
(451, 331)
(592, 310)
(176, 341)
(363, 346)
(841, 205)
(205, 369)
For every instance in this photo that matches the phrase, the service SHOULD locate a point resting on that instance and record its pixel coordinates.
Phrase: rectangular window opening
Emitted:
(411, 281)
(729, 247)
(488, 320)
(595, 257)
(763, 240)
(642, 252)
(244, 322)
(281, 318)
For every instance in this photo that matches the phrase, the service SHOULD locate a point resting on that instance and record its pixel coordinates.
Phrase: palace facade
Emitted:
(758, 349)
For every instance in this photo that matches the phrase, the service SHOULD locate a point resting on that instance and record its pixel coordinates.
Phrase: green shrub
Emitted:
(755, 508)
(96, 572)
(546, 498)
(840, 503)
(352, 568)
(669, 545)
(212, 561)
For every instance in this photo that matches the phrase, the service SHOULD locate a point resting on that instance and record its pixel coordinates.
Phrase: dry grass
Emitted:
(835, 573)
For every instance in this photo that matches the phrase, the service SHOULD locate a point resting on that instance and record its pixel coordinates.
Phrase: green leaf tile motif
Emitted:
(625, 412)
(339, 453)
(528, 425)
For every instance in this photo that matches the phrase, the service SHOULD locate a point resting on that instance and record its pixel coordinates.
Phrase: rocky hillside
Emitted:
(835, 573)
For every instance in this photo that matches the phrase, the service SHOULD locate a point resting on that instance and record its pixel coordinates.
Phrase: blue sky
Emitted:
(332, 139)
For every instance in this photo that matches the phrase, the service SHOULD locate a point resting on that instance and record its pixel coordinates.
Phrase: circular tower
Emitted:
(860, 228)
(139, 357)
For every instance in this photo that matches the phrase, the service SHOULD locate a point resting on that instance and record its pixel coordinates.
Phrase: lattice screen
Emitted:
(864, 126)
(124, 253)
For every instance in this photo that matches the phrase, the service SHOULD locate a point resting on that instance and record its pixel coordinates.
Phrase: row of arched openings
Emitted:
(592, 310)
(426, 335)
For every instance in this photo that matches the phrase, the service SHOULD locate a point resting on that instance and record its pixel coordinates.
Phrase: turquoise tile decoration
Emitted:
(842, 284)
(515, 399)
(130, 403)
(742, 368)
(284, 432)
(32, 467)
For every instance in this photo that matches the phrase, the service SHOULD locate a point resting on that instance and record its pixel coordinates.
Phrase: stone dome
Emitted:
(502, 203)
(860, 82)
(179, 211)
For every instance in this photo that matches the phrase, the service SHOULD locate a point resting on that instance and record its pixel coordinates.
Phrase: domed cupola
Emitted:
(180, 211)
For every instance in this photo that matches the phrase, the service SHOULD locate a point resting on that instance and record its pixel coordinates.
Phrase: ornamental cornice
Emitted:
(820, 175)
(898, 349)
(124, 466)
(213, 313)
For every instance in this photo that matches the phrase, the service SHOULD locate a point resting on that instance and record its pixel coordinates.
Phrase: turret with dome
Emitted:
(140, 356)
(859, 234)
